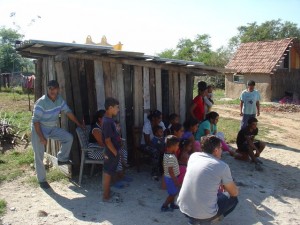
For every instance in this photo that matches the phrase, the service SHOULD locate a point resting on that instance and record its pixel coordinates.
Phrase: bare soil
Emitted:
(268, 197)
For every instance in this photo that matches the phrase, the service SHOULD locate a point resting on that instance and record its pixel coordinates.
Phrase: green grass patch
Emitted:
(53, 175)
(13, 164)
(230, 127)
(2, 207)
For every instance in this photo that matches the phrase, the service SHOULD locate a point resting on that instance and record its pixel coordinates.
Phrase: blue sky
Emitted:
(144, 26)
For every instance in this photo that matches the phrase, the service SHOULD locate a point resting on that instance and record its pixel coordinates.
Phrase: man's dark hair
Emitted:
(202, 86)
(97, 115)
(110, 102)
(251, 83)
(252, 120)
(173, 116)
(190, 122)
(171, 140)
(156, 128)
(210, 143)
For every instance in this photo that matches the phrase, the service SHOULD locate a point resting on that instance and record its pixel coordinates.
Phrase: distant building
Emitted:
(273, 65)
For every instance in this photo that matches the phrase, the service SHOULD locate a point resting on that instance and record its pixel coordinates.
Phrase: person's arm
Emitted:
(232, 189)
(241, 108)
(250, 141)
(73, 118)
(172, 175)
(207, 102)
(258, 108)
(98, 136)
(39, 132)
(192, 110)
(110, 146)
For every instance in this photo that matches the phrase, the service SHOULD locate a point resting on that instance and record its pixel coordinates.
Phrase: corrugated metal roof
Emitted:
(259, 57)
(40, 48)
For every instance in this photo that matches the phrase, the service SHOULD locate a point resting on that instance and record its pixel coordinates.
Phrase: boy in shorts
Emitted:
(171, 172)
(247, 144)
(111, 139)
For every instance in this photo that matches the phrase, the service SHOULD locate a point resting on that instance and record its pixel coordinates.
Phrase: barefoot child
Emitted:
(112, 146)
(171, 172)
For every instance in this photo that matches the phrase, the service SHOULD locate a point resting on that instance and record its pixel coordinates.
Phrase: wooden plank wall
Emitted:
(85, 84)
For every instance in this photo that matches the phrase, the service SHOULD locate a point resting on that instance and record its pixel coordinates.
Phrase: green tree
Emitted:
(10, 61)
(269, 30)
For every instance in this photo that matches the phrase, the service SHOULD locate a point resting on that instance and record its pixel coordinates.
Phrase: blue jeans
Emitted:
(55, 133)
(245, 119)
(226, 205)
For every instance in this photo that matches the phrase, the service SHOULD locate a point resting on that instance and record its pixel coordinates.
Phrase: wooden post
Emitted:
(182, 98)
(113, 77)
(83, 89)
(171, 92)
(121, 98)
(99, 84)
(138, 96)
(158, 89)
(189, 92)
(146, 92)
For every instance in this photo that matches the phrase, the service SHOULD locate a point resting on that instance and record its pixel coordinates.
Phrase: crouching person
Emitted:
(199, 198)
(44, 126)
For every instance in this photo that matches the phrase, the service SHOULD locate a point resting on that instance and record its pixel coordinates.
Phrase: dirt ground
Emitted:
(268, 197)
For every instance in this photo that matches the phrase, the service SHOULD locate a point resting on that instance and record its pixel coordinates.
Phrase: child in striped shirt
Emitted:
(171, 172)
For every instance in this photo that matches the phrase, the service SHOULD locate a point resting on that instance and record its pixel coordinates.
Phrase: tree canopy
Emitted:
(10, 61)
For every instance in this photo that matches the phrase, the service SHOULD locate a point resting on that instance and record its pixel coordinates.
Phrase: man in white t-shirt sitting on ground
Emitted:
(249, 105)
(200, 198)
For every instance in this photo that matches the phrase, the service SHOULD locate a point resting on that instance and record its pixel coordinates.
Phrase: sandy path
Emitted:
(268, 197)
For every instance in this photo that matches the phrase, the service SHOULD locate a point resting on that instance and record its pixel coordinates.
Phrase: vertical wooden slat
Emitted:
(51, 68)
(74, 72)
(107, 79)
(165, 90)
(152, 88)
(182, 98)
(90, 77)
(171, 92)
(38, 83)
(189, 93)
(158, 89)
(45, 74)
(113, 76)
(121, 98)
(99, 83)
(176, 96)
(84, 93)
(138, 96)
(146, 92)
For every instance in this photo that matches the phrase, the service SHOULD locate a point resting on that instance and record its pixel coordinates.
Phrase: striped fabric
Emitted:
(170, 160)
(47, 112)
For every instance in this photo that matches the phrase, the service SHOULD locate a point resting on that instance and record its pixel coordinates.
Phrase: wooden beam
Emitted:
(38, 82)
(182, 97)
(138, 96)
(99, 83)
(121, 98)
(158, 89)
(146, 91)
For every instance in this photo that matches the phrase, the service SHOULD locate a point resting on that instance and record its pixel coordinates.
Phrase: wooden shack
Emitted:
(87, 74)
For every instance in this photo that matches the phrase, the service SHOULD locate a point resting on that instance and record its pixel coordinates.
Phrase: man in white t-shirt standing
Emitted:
(200, 198)
(249, 105)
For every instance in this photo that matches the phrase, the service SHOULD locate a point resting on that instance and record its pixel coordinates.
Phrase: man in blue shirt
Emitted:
(249, 106)
(44, 126)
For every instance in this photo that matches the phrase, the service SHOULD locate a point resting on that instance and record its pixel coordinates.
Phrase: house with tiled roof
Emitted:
(273, 65)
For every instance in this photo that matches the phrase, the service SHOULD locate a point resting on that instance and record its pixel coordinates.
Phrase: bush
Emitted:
(2, 207)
